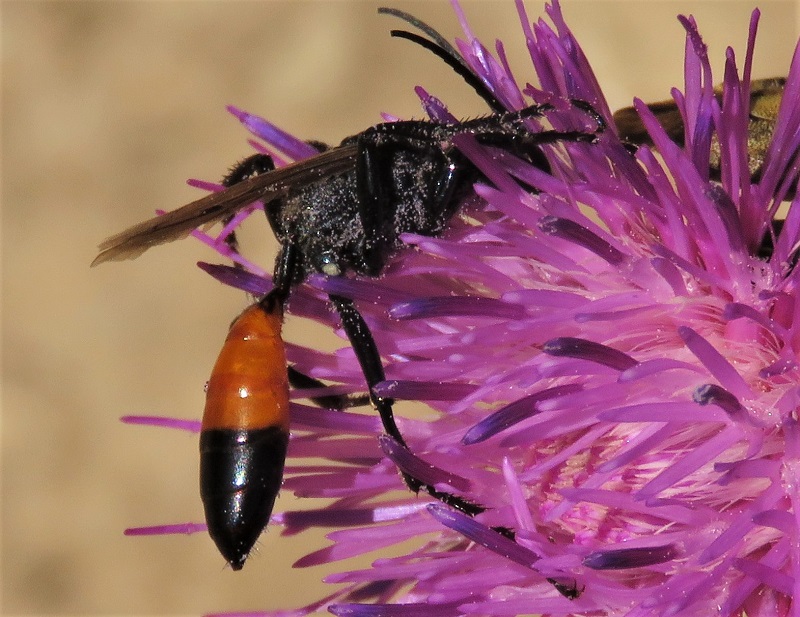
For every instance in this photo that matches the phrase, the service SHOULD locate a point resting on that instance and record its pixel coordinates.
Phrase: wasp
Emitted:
(338, 213)
(765, 100)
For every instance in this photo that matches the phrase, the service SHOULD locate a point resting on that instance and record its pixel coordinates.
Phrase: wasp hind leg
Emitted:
(338, 402)
(369, 359)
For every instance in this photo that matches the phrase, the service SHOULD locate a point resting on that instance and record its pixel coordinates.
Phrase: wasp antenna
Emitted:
(442, 49)
(460, 69)
(429, 30)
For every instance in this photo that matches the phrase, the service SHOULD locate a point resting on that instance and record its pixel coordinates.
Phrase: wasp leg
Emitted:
(372, 181)
(339, 402)
(243, 170)
(367, 354)
(368, 358)
(283, 278)
(375, 166)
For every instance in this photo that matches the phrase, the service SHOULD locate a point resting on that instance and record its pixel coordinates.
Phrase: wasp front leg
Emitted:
(407, 181)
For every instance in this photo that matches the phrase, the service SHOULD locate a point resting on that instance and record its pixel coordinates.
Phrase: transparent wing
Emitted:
(176, 224)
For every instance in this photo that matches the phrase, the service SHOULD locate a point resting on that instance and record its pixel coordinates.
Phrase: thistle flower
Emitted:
(611, 357)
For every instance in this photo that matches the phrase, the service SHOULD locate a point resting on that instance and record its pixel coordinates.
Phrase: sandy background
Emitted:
(107, 108)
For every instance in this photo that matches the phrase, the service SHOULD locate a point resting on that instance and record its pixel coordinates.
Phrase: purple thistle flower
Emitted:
(619, 389)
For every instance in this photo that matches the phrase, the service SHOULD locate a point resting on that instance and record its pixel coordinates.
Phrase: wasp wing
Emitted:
(631, 128)
(176, 224)
(765, 99)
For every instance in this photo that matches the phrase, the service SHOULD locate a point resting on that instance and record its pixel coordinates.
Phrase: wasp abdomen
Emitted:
(245, 433)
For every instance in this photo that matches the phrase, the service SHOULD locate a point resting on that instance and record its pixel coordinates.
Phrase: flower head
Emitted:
(612, 360)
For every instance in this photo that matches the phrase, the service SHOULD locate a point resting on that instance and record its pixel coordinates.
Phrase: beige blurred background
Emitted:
(107, 108)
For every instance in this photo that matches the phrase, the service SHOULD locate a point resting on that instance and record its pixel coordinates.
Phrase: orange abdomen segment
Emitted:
(245, 432)
(248, 388)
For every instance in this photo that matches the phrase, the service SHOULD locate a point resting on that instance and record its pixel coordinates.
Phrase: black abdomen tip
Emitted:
(240, 476)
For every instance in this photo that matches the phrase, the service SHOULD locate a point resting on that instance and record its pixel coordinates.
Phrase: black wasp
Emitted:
(339, 212)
